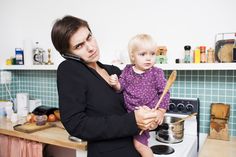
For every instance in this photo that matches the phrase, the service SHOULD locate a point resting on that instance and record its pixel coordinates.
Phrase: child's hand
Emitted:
(113, 80)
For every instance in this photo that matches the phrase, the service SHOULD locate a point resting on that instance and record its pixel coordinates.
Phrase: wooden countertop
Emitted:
(54, 135)
(218, 148)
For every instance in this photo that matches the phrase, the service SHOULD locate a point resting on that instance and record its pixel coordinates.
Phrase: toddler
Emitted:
(142, 84)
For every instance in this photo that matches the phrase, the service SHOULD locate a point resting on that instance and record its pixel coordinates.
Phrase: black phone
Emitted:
(71, 56)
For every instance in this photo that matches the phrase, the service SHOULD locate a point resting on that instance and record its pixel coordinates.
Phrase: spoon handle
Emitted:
(189, 116)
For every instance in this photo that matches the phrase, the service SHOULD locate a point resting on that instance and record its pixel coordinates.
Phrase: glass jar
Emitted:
(203, 54)
(187, 51)
(210, 56)
(38, 54)
(41, 119)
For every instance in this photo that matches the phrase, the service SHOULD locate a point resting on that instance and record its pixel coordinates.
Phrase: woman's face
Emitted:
(84, 45)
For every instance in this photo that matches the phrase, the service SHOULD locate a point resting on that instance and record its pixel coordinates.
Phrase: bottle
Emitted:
(19, 54)
(234, 50)
(210, 56)
(203, 54)
(187, 51)
(197, 56)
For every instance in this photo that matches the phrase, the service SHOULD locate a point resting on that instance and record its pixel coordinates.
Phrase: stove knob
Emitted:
(172, 107)
(189, 107)
(180, 107)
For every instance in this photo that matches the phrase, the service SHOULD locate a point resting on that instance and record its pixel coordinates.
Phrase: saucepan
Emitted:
(169, 131)
(172, 129)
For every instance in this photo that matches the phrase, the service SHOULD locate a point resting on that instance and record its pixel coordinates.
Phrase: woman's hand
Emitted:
(160, 116)
(145, 117)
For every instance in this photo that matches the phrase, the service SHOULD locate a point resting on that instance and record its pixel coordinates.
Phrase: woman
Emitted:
(90, 109)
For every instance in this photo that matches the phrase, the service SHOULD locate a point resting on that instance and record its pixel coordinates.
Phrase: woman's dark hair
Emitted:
(62, 31)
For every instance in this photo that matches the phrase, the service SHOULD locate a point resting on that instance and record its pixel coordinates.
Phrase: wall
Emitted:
(209, 86)
(172, 23)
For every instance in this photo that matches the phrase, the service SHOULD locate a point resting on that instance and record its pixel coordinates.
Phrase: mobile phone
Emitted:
(71, 56)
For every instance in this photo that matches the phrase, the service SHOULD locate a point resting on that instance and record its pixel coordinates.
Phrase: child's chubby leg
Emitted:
(144, 150)
(141, 144)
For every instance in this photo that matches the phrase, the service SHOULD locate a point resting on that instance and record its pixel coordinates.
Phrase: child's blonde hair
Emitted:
(137, 41)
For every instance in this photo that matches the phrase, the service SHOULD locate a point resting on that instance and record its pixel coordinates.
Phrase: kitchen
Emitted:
(189, 22)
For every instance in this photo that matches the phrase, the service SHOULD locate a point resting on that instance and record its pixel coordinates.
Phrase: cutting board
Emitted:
(31, 127)
(219, 129)
(219, 121)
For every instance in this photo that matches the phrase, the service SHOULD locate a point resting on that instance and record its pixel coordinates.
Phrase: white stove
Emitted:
(180, 108)
(186, 148)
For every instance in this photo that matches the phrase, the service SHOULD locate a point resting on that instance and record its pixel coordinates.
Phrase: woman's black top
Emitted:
(91, 110)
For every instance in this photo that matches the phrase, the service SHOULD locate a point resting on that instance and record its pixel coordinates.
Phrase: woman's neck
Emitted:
(93, 65)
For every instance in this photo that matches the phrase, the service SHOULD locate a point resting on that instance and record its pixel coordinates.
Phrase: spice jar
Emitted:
(203, 54)
(187, 49)
(210, 56)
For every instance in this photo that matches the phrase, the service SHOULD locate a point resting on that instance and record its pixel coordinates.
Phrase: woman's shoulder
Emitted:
(70, 66)
(67, 63)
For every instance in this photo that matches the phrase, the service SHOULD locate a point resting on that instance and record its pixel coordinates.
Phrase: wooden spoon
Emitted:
(169, 83)
(182, 119)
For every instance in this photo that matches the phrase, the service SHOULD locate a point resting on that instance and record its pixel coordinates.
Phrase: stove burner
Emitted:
(162, 149)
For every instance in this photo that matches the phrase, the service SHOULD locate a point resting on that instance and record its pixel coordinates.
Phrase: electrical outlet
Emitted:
(5, 77)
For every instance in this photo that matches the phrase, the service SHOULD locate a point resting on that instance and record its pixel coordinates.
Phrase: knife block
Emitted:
(219, 121)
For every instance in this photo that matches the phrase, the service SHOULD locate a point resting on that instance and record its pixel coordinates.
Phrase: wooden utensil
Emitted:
(169, 83)
(183, 119)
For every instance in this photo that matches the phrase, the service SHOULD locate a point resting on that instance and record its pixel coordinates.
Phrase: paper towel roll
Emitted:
(22, 102)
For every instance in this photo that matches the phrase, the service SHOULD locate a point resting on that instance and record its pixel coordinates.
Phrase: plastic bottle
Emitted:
(197, 56)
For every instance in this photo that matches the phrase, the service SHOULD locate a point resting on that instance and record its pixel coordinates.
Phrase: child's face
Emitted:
(145, 57)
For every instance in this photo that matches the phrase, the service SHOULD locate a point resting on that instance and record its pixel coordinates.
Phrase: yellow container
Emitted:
(9, 61)
(197, 56)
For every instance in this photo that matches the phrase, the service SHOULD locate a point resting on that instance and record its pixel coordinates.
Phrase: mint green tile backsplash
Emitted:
(209, 86)
(39, 84)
